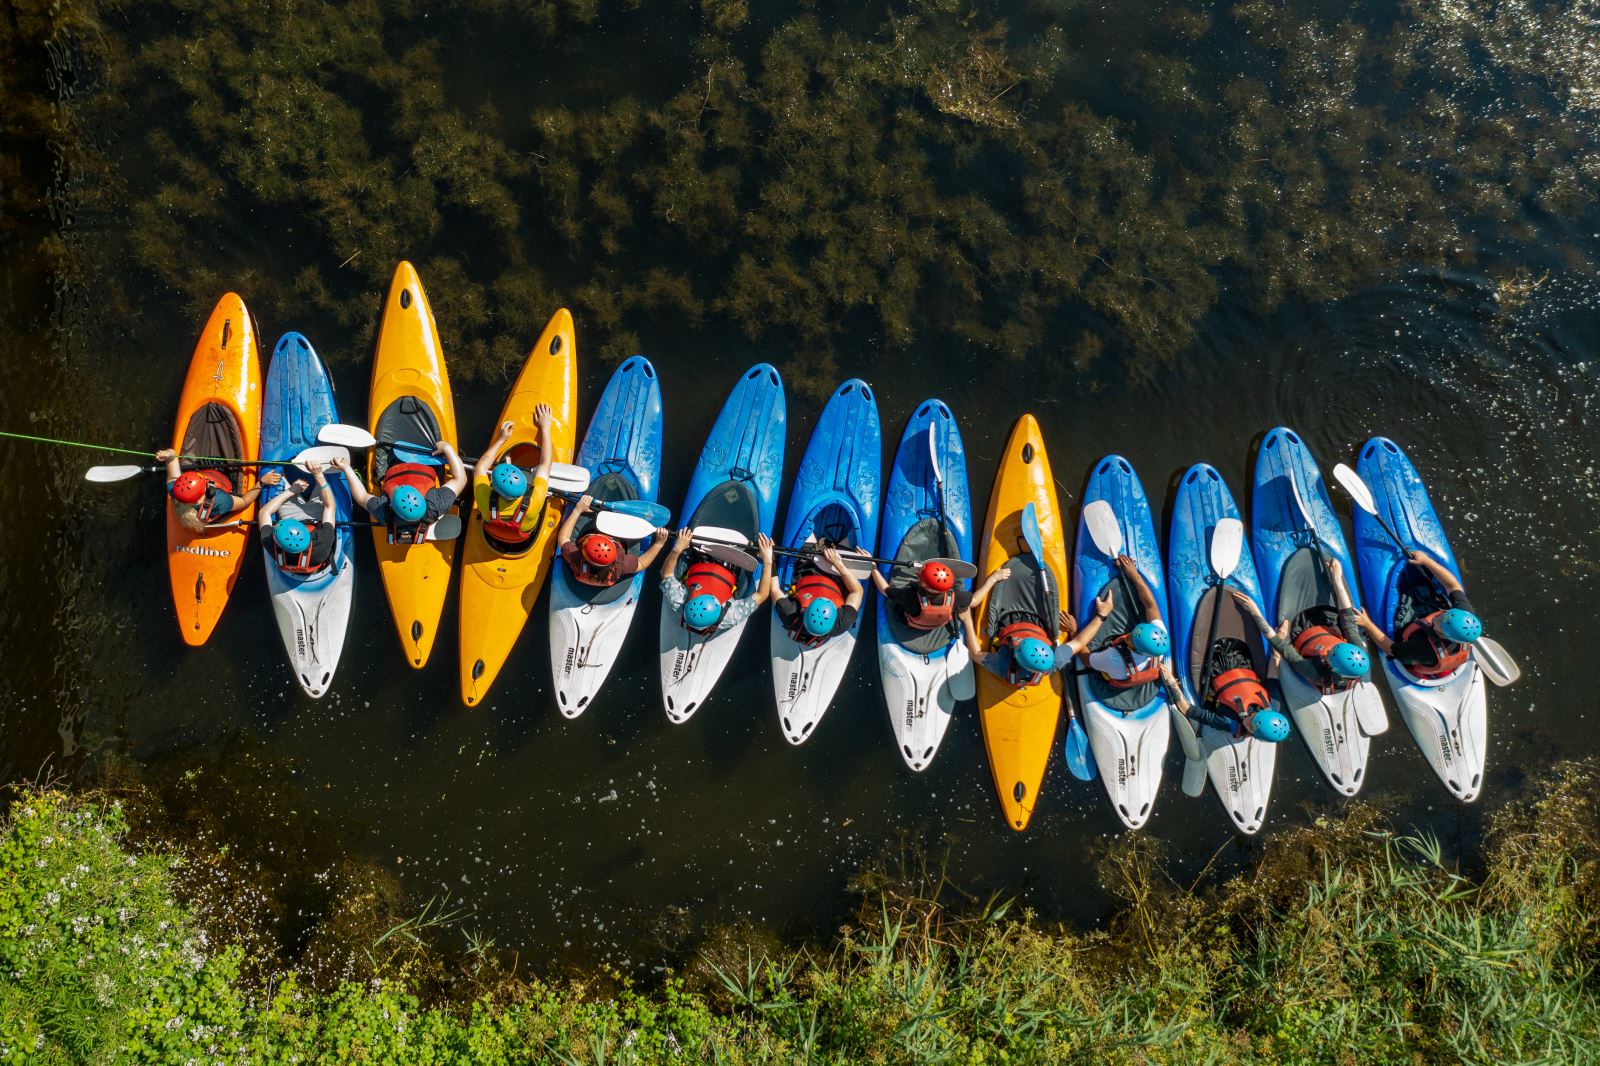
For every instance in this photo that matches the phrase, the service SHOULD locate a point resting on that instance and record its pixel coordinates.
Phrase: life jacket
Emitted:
(1315, 642)
(508, 530)
(217, 482)
(1137, 675)
(1239, 691)
(813, 585)
(1012, 634)
(301, 563)
(1448, 655)
(599, 576)
(419, 476)
(932, 613)
(707, 577)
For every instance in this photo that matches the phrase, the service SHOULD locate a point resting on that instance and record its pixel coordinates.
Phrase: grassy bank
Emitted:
(1350, 942)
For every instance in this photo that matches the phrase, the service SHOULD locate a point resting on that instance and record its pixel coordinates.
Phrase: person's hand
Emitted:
(586, 502)
(1420, 558)
(1363, 620)
(658, 537)
(297, 487)
(1103, 605)
(1002, 574)
(1283, 630)
(504, 434)
(313, 468)
(831, 554)
(444, 448)
(1065, 623)
(685, 539)
(861, 551)
(342, 464)
(166, 455)
(1166, 672)
(1246, 602)
(541, 417)
(1126, 564)
(1335, 568)
(271, 477)
(764, 542)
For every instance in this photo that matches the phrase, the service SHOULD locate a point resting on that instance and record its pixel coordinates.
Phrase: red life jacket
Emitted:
(1010, 636)
(1315, 642)
(1240, 691)
(1448, 655)
(598, 576)
(933, 613)
(707, 577)
(813, 585)
(423, 478)
(301, 563)
(218, 482)
(1137, 675)
(508, 530)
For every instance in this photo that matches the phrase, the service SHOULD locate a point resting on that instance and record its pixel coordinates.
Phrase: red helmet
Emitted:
(189, 488)
(598, 549)
(937, 577)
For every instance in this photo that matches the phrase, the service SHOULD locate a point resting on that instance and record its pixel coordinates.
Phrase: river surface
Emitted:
(605, 838)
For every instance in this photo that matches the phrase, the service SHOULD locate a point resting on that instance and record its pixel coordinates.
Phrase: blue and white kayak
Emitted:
(1206, 620)
(1448, 716)
(313, 610)
(734, 486)
(622, 452)
(925, 672)
(1289, 554)
(834, 500)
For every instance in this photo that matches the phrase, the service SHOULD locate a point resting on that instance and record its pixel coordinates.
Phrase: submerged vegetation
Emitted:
(1349, 942)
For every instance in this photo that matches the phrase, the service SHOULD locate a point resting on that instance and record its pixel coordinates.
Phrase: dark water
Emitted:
(608, 837)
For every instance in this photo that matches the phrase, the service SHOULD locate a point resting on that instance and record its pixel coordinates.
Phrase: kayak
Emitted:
(734, 486)
(1447, 716)
(498, 586)
(1019, 724)
(410, 398)
(1289, 560)
(1128, 729)
(313, 610)
(219, 414)
(1206, 620)
(622, 451)
(834, 500)
(925, 672)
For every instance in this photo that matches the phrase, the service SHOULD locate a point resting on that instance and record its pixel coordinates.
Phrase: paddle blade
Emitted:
(1194, 777)
(1080, 757)
(1370, 715)
(324, 454)
(963, 570)
(1030, 532)
(1351, 482)
(1498, 665)
(657, 514)
(1188, 739)
(858, 565)
(726, 553)
(346, 436)
(624, 526)
(1227, 542)
(568, 478)
(417, 453)
(448, 527)
(963, 681)
(106, 475)
(1305, 515)
(1104, 529)
(718, 534)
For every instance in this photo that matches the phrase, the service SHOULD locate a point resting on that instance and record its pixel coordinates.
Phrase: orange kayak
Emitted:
(409, 367)
(219, 414)
(498, 588)
(1019, 724)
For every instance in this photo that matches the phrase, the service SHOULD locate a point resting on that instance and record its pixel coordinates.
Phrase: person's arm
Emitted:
(458, 473)
(1081, 640)
(547, 451)
(1440, 572)
(880, 582)
(1379, 638)
(174, 464)
(764, 590)
(1147, 599)
(1248, 605)
(969, 634)
(264, 516)
(853, 592)
(486, 460)
(569, 524)
(358, 488)
(1341, 591)
(657, 539)
(1174, 690)
(1002, 574)
(330, 511)
(271, 477)
(680, 544)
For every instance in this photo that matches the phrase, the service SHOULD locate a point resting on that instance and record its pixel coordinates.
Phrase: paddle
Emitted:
(448, 527)
(1080, 759)
(324, 454)
(657, 514)
(859, 565)
(624, 526)
(348, 436)
(564, 477)
(1227, 548)
(1498, 665)
(1359, 491)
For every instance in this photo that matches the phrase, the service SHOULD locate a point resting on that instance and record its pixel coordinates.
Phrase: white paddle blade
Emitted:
(1194, 777)
(1305, 515)
(1188, 739)
(1104, 529)
(720, 535)
(564, 477)
(1498, 665)
(325, 454)
(726, 553)
(346, 436)
(1227, 542)
(933, 453)
(623, 526)
(963, 683)
(105, 475)
(963, 570)
(1351, 482)
(859, 566)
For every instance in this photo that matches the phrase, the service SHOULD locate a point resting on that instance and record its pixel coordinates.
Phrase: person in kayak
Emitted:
(297, 546)
(820, 605)
(1236, 702)
(1437, 643)
(1322, 644)
(1131, 659)
(1024, 653)
(599, 559)
(934, 601)
(512, 506)
(412, 498)
(203, 496)
(704, 597)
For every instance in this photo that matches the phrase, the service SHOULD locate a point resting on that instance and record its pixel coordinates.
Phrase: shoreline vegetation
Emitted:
(1349, 940)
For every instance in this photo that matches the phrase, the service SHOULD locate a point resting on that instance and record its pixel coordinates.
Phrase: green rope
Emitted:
(148, 455)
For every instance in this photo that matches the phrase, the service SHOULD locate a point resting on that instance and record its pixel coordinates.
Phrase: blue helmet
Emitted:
(820, 616)
(291, 536)
(509, 482)
(1347, 660)
(1034, 655)
(702, 611)
(409, 504)
(1460, 626)
(1269, 726)
(1151, 639)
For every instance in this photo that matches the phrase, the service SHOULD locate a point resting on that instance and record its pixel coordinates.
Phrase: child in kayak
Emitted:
(1129, 660)
(1024, 655)
(1437, 643)
(597, 558)
(1322, 644)
(704, 596)
(1236, 704)
(821, 605)
(412, 499)
(510, 505)
(202, 496)
(297, 546)
(934, 601)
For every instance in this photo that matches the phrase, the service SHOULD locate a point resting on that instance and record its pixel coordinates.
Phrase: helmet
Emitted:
(291, 536)
(189, 488)
(820, 616)
(1151, 639)
(937, 577)
(702, 611)
(509, 481)
(1347, 660)
(408, 503)
(1460, 626)
(598, 549)
(1269, 726)
(1035, 655)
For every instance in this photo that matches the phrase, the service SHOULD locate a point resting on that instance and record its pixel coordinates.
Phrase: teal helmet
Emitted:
(820, 616)
(509, 482)
(1269, 726)
(1034, 655)
(291, 536)
(409, 504)
(1347, 660)
(702, 611)
(1460, 626)
(1151, 639)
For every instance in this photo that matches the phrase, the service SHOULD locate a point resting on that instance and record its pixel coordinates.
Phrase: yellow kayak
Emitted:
(1019, 724)
(498, 587)
(409, 367)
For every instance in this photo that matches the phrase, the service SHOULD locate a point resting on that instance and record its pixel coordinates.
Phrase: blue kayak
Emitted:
(1128, 729)
(1211, 633)
(313, 610)
(1447, 716)
(734, 486)
(834, 500)
(1290, 555)
(622, 452)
